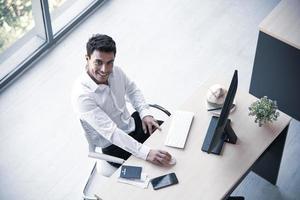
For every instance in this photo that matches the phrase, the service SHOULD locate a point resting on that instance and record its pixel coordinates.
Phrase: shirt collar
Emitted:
(90, 83)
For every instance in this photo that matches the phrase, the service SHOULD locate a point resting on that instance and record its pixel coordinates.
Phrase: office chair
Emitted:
(102, 170)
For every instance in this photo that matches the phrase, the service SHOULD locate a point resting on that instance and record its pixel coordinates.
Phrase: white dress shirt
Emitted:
(104, 109)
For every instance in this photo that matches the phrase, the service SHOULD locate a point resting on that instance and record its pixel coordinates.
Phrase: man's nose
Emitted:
(104, 68)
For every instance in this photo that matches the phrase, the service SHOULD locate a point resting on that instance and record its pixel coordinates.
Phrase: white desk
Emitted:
(202, 175)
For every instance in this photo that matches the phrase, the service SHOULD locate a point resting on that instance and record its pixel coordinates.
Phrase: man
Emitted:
(99, 99)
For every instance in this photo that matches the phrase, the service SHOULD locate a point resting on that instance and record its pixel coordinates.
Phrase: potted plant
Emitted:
(264, 110)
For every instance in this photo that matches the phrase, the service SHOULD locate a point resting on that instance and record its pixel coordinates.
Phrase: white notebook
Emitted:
(179, 128)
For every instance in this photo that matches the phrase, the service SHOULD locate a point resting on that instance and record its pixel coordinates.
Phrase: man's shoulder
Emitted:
(118, 73)
(117, 70)
(81, 88)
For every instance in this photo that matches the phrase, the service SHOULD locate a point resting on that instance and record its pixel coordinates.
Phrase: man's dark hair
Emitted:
(102, 43)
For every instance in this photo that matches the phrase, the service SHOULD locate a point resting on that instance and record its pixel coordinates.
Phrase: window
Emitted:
(62, 12)
(29, 27)
(21, 32)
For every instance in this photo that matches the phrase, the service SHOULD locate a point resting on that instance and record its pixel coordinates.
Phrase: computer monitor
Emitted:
(219, 130)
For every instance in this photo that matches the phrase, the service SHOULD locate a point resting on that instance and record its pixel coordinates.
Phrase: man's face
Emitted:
(100, 65)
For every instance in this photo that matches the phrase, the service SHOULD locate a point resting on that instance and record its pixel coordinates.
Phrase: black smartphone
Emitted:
(164, 181)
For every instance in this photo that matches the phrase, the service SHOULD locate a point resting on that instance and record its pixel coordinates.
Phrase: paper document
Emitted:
(142, 183)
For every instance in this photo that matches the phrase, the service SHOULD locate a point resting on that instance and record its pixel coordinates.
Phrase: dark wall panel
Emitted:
(276, 74)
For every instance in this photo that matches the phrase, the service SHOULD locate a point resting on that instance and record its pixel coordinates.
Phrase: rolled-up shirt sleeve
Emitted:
(101, 122)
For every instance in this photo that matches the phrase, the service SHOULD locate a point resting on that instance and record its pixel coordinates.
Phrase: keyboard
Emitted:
(179, 129)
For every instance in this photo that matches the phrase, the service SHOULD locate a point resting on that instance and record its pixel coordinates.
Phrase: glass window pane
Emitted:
(21, 32)
(16, 20)
(63, 12)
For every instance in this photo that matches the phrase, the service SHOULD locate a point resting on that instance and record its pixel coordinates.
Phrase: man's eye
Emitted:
(98, 63)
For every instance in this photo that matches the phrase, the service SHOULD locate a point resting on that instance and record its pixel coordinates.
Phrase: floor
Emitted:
(169, 48)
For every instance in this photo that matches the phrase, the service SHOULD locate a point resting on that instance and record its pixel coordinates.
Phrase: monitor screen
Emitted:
(219, 129)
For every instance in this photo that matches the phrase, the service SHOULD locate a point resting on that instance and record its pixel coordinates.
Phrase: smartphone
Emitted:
(164, 181)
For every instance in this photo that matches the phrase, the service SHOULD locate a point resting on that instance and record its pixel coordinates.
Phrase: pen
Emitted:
(212, 109)
(218, 108)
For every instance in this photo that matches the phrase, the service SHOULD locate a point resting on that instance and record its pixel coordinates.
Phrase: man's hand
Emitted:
(159, 157)
(150, 123)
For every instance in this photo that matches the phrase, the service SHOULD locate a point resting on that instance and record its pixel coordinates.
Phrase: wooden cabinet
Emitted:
(276, 70)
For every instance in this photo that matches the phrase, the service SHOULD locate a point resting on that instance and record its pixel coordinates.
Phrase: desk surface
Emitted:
(202, 175)
(283, 22)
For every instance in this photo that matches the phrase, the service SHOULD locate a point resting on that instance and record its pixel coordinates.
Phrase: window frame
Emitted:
(51, 40)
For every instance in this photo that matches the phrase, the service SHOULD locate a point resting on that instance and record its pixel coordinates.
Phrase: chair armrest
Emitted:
(92, 180)
(105, 157)
(160, 108)
(85, 197)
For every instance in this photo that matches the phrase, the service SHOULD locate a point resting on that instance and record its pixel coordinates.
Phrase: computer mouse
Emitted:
(172, 161)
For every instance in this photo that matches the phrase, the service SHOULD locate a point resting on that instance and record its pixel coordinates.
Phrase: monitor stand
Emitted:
(214, 145)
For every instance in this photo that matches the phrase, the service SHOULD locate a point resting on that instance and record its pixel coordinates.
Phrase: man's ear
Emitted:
(87, 64)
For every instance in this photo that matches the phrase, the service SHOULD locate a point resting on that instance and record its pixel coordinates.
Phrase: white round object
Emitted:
(216, 94)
